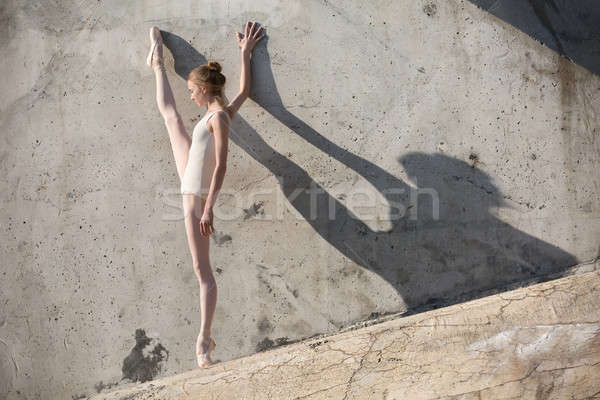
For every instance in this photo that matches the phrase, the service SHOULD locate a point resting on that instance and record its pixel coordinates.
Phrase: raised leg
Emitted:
(180, 140)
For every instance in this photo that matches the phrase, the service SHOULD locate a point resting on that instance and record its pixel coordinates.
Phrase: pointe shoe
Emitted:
(203, 359)
(155, 59)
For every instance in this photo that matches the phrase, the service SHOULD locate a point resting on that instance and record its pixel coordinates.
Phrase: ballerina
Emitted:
(201, 159)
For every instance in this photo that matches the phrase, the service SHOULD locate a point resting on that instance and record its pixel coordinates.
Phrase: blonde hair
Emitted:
(210, 76)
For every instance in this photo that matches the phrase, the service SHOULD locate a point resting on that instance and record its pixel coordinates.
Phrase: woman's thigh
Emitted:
(193, 207)
(180, 142)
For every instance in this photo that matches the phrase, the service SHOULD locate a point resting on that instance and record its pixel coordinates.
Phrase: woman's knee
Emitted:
(172, 118)
(204, 271)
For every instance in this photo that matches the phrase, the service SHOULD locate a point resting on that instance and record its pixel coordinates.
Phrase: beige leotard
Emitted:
(201, 159)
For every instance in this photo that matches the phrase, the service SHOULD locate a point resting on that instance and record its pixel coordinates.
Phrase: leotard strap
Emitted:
(214, 112)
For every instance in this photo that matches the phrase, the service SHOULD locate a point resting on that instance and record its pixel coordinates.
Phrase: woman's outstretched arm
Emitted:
(246, 41)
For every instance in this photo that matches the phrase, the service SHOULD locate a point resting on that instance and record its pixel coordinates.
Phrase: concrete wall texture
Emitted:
(459, 153)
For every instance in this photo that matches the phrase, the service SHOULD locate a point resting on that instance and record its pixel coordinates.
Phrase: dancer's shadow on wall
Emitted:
(429, 260)
(571, 28)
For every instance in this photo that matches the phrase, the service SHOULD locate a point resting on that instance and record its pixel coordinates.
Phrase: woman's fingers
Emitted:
(206, 227)
(246, 30)
(251, 35)
(251, 31)
(203, 224)
(257, 32)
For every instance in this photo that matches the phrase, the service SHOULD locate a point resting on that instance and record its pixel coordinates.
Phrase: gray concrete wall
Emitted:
(392, 100)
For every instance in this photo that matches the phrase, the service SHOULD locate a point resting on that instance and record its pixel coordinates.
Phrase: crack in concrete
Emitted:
(360, 365)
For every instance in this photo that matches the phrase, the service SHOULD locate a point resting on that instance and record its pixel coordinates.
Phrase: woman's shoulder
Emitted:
(225, 117)
(227, 111)
(224, 111)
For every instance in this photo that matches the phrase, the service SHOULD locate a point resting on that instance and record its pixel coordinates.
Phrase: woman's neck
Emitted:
(213, 106)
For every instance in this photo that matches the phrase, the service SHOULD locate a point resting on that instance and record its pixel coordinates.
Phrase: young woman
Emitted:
(201, 160)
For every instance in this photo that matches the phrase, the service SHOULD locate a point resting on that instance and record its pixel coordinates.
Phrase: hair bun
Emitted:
(214, 66)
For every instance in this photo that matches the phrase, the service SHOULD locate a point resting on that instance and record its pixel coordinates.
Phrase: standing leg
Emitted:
(180, 140)
(199, 248)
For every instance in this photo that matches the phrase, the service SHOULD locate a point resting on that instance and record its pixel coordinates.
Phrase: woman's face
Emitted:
(197, 94)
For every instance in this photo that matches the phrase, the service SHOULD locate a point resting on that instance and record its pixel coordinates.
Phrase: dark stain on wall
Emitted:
(221, 238)
(264, 325)
(474, 159)
(253, 210)
(267, 343)
(546, 12)
(101, 386)
(430, 9)
(139, 367)
(264, 344)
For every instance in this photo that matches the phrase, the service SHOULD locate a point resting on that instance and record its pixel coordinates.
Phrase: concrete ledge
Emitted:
(542, 341)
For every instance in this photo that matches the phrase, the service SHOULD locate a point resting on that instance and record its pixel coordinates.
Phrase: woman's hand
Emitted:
(206, 223)
(250, 37)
